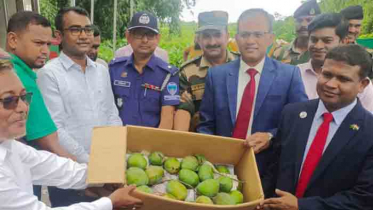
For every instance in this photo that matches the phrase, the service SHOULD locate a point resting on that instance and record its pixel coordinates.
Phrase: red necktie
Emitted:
(314, 155)
(244, 113)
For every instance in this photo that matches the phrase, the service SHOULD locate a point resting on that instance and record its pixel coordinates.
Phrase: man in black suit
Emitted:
(324, 147)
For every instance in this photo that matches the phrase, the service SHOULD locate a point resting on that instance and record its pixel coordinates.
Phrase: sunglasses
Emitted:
(11, 102)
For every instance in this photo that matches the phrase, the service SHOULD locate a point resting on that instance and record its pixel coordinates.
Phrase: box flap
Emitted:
(107, 160)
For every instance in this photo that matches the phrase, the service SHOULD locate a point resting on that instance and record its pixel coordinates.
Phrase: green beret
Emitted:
(212, 20)
(308, 8)
(353, 12)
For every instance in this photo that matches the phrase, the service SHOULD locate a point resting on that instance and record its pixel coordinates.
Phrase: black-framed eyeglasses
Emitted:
(150, 35)
(76, 31)
(255, 34)
(11, 102)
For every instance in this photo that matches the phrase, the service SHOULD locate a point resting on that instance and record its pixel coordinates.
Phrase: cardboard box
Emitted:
(109, 145)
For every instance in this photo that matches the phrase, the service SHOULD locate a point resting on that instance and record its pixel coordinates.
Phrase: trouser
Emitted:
(61, 197)
(37, 191)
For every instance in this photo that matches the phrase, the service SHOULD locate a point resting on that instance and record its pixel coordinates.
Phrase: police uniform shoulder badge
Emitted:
(172, 88)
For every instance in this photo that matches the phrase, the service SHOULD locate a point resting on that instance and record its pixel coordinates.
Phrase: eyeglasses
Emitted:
(255, 34)
(11, 102)
(76, 31)
(140, 35)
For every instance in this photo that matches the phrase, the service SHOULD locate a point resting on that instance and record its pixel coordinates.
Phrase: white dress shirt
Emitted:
(243, 80)
(77, 101)
(309, 77)
(21, 166)
(338, 117)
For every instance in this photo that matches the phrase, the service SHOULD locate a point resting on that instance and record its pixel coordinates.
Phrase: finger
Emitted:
(281, 193)
(131, 188)
(272, 206)
(272, 201)
(135, 201)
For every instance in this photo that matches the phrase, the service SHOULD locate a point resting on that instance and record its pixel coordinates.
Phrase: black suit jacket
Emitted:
(343, 178)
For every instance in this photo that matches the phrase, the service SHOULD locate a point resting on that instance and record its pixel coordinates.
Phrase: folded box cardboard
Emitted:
(109, 145)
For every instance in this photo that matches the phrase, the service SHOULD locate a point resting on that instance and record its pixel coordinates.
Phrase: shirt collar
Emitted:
(5, 148)
(258, 67)
(339, 115)
(309, 68)
(67, 62)
(19, 62)
(152, 63)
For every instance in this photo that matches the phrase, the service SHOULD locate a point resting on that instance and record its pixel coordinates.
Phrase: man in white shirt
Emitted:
(21, 166)
(77, 92)
(326, 32)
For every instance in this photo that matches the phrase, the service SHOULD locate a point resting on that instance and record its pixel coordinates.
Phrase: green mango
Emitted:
(190, 162)
(201, 159)
(223, 199)
(237, 196)
(137, 160)
(209, 188)
(145, 189)
(226, 184)
(168, 195)
(204, 199)
(172, 165)
(136, 176)
(223, 169)
(205, 172)
(156, 158)
(189, 177)
(177, 189)
(155, 174)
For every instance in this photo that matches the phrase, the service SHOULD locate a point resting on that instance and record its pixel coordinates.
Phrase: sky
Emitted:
(236, 7)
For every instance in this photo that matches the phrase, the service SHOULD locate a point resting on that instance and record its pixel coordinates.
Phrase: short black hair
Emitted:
(257, 11)
(330, 20)
(353, 55)
(21, 20)
(59, 17)
(96, 31)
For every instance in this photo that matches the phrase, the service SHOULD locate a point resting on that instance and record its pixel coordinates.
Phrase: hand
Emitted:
(122, 198)
(286, 201)
(97, 192)
(186, 97)
(258, 141)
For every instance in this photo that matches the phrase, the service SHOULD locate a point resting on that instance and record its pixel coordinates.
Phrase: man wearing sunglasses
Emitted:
(146, 88)
(77, 92)
(21, 165)
(28, 38)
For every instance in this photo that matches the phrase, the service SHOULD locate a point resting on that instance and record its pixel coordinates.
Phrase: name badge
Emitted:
(122, 83)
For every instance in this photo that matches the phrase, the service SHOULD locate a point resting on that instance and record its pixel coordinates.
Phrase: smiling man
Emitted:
(326, 32)
(354, 15)
(212, 36)
(77, 92)
(296, 53)
(324, 147)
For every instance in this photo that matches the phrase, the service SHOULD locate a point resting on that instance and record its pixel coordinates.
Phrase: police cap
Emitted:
(308, 8)
(144, 20)
(212, 20)
(353, 12)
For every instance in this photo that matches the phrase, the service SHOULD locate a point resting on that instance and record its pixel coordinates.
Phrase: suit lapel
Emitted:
(302, 132)
(266, 79)
(232, 88)
(343, 135)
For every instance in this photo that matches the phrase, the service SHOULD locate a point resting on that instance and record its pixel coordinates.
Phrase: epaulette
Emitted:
(168, 67)
(118, 60)
(191, 61)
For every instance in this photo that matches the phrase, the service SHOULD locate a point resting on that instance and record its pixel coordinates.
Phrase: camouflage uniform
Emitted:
(288, 54)
(192, 79)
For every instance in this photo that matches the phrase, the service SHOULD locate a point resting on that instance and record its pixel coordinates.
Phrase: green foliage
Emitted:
(284, 29)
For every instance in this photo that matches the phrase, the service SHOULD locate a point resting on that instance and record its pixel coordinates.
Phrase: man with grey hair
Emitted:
(252, 90)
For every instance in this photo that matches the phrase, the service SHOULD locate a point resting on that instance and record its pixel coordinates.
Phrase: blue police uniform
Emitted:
(140, 97)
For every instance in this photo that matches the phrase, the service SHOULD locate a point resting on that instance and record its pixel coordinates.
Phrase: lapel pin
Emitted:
(354, 127)
(303, 115)
(124, 74)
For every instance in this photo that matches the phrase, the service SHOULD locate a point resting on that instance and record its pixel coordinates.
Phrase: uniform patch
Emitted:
(119, 103)
(144, 19)
(124, 74)
(172, 88)
(122, 83)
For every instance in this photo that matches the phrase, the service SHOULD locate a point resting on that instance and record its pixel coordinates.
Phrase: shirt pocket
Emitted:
(151, 101)
(121, 96)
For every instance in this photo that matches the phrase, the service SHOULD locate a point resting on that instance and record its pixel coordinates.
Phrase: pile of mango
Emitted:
(210, 184)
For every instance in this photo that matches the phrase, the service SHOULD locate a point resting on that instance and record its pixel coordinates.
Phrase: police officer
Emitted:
(146, 88)
(354, 15)
(296, 52)
(213, 37)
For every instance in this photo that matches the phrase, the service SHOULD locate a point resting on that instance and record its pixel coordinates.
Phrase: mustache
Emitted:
(212, 46)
